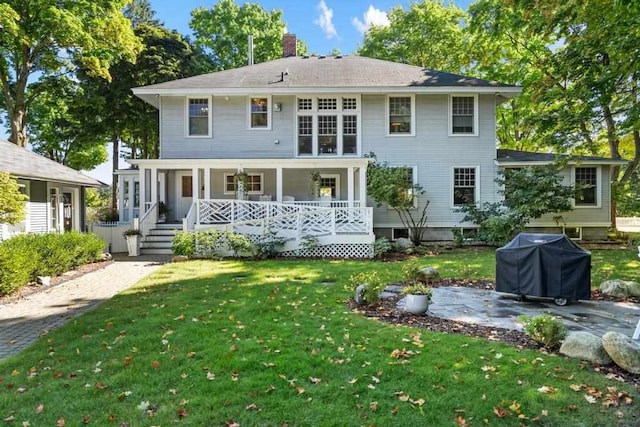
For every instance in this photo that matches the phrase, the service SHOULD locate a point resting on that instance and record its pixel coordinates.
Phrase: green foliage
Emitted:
(24, 257)
(207, 243)
(184, 244)
(394, 187)
(310, 242)
(528, 193)
(381, 247)
(458, 237)
(417, 288)
(239, 243)
(11, 200)
(545, 329)
(269, 245)
(411, 270)
(373, 285)
(222, 32)
(403, 40)
(42, 39)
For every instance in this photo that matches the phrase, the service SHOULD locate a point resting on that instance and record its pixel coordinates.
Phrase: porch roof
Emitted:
(297, 163)
(526, 158)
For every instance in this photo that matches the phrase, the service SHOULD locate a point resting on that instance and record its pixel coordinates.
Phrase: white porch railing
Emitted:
(288, 221)
(148, 220)
(189, 221)
(328, 203)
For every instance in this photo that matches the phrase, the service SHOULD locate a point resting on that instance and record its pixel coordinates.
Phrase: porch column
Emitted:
(154, 185)
(279, 185)
(207, 183)
(195, 184)
(350, 186)
(132, 195)
(121, 196)
(362, 182)
(143, 192)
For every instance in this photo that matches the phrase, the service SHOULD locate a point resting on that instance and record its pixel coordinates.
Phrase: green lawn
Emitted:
(206, 343)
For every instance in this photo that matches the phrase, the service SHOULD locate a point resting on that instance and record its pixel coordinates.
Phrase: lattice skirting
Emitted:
(339, 250)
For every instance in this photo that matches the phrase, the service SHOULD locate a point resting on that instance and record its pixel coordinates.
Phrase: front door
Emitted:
(67, 211)
(185, 193)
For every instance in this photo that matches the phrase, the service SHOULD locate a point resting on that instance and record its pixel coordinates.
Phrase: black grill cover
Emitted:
(544, 265)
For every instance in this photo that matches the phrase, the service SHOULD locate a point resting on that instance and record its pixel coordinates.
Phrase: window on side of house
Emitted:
(400, 118)
(254, 183)
(305, 135)
(349, 134)
(463, 115)
(464, 186)
(328, 135)
(587, 177)
(330, 186)
(259, 113)
(199, 112)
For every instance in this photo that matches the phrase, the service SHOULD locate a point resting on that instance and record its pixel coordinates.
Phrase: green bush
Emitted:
(381, 247)
(239, 243)
(207, 243)
(23, 258)
(411, 270)
(184, 244)
(373, 285)
(545, 329)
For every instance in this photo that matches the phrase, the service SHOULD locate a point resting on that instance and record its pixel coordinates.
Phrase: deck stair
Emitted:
(158, 240)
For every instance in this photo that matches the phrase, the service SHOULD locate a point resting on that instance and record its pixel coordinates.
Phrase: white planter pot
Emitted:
(133, 245)
(416, 304)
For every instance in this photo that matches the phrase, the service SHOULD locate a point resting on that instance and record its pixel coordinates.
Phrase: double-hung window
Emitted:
(464, 186)
(401, 115)
(330, 186)
(586, 179)
(463, 115)
(259, 112)
(328, 125)
(198, 117)
(254, 183)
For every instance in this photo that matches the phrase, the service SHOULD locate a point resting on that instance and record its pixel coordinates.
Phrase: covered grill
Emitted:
(544, 265)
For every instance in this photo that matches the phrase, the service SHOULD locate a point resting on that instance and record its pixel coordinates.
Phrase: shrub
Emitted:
(545, 329)
(411, 270)
(207, 243)
(417, 288)
(268, 245)
(239, 243)
(458, 237)
(23, 258)
(381, 247)
(184, 244)
(373, 285)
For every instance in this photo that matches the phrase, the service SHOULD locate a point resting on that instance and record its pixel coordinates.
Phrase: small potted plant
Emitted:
(163, 210)
(418, 297)
(133, 236)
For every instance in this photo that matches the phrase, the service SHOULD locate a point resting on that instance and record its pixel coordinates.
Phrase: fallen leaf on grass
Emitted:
(500, 412)
(182, 413)
(590, 399)
(373, 406)
(461, 421)
(61, 422)
(211, 376)
(231, 423)
(547, 389)
(39, 408)
(252, 407)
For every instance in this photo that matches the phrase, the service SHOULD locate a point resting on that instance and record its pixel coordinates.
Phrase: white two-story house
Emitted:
(274, 124)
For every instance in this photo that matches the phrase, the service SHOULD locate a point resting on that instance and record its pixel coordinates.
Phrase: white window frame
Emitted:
(337, 178)
(564, 231)
(227, 192)
(249, 112)
(413, 115)
(598, 204)
(209, 116)
(339, 112)
(476, 193)
(393, 233)
(475, 114)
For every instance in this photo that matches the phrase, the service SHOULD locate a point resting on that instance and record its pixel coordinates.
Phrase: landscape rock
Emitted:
(359, 297)
(403, 243)
(44, 280)
(623, 351)
(585, 346)
(106, 257)
(179, 258)
(428, 274)
(620, 288)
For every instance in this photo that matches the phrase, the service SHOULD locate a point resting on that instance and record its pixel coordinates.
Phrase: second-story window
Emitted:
(400, 110)
(463, 119)
(328, 125)
(259, 115)
(199, 113)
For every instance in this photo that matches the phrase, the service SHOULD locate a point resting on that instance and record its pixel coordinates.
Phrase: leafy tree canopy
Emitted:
(43, 39)
(222, 32)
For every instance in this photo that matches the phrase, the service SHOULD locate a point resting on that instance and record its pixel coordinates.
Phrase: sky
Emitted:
(324, 25)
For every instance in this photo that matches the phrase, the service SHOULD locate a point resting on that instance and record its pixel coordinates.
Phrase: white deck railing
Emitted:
(286, 220)
(328, 203)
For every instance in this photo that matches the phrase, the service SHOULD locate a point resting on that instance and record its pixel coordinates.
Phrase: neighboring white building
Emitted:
(56, 192)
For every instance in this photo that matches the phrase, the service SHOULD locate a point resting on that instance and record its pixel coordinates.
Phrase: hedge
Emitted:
(24, 257)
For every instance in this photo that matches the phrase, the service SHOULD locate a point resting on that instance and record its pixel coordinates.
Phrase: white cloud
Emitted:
(371, 17)
(325, 19)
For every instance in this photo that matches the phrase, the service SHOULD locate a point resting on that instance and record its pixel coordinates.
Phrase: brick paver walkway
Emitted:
(24, 320)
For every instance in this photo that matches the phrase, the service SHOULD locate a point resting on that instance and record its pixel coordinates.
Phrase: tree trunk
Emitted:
(18, 130)
(115, 139)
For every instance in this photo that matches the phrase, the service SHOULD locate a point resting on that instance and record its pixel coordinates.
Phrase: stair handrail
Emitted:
(146, 222)
(189, 221)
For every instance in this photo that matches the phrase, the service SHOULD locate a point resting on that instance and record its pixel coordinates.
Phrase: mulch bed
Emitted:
(32, 288)
(386, 311)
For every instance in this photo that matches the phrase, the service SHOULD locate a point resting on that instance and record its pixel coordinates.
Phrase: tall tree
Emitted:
(427, 34)
(43, 39)
(57, 122)
(223, 31)
(584, 59)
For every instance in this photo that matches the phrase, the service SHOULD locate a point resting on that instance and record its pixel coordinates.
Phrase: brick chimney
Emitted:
(289, 47)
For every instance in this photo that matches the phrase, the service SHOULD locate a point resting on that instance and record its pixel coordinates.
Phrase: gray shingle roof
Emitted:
(318, 72)
(516, 156)
(23, 163)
